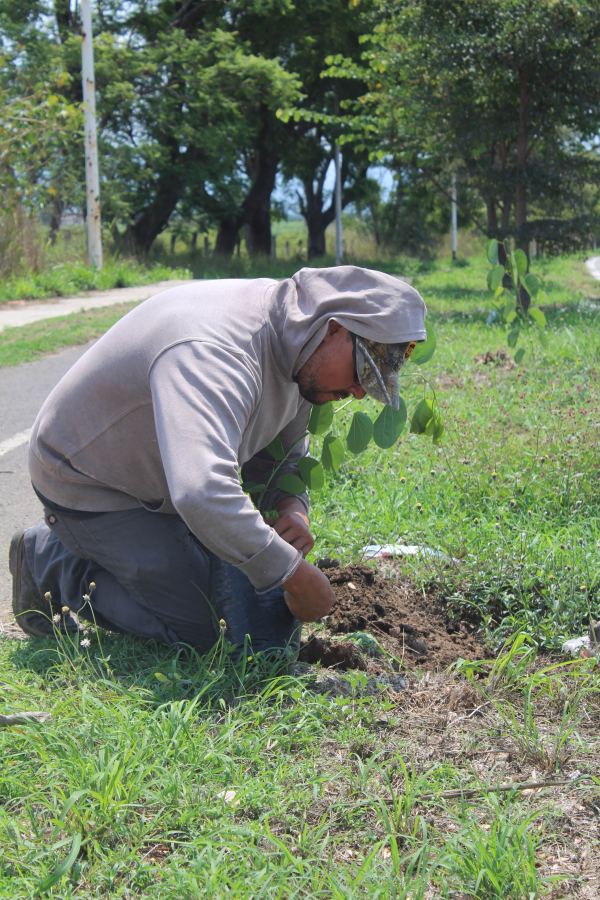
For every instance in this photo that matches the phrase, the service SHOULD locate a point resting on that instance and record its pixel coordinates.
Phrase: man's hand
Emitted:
(308, 593)
(293, 525)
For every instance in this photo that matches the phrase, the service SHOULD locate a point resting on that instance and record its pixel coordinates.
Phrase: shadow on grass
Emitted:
(154, 673)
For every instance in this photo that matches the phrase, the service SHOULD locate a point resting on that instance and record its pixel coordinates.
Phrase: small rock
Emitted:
(574, 646)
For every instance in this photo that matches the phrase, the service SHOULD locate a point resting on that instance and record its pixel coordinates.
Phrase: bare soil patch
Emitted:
(500, 358)
(412, 625)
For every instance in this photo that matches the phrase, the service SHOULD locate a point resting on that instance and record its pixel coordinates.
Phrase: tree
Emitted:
(506, 92)
(39, 128)
(308, 160)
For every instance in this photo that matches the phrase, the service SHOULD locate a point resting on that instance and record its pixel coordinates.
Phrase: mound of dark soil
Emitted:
(332, 654)
(414, 627)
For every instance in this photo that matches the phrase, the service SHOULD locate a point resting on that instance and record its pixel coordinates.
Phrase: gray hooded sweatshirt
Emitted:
(194, 383)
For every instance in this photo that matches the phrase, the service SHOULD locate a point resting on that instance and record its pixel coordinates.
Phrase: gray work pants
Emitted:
(154, 579)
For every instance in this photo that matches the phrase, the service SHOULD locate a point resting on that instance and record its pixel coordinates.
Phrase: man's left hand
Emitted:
(293, 525)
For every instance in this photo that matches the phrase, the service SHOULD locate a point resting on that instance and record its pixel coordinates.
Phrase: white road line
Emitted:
(17, 440)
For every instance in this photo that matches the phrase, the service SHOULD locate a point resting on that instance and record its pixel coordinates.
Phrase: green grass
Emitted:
(121, 793)
(66, 279)
(124, 791)
(29, 342)
(512, 491)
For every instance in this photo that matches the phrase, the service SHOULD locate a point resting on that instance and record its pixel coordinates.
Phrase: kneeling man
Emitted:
(138, 453)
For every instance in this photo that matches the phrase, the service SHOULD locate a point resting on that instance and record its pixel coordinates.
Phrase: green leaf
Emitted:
(421, 417)
(275, 448)
(509, 305)
(251, 487)
(389, 424)
(291, 483)
(513, 337)
(531, 284)
(312, 473)
(498, 293)
(542, 297)
(438, 430)
(521, 262)
(160, 677)
(64, 867)
(321, 418)
(360, 433)
(519, 355)
(538, 317)
(496, 277)
(491, 249)
(424, 351)
(510, 317)
(332, 453)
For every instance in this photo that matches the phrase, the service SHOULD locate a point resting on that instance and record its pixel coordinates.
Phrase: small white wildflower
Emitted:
(56, 618)
(85, 642)
(86, 597)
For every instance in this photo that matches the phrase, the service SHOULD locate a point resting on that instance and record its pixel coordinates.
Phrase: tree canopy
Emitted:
(201, 103)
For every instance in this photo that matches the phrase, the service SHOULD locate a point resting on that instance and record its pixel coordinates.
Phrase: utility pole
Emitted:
(92, 177)
(454, 223)
(338, 205)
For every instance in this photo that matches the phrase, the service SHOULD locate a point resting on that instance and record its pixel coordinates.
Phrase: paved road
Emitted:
(23, 312)
(22, 391)
(593, 267)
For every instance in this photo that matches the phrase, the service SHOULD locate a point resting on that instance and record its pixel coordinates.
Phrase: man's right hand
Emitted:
(308, 593)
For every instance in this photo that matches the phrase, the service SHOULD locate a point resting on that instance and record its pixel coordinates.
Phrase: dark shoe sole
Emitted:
(33, 621)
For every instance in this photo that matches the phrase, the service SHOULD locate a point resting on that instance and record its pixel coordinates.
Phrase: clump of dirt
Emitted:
(331, 654)
(500, 357)
(414, 627)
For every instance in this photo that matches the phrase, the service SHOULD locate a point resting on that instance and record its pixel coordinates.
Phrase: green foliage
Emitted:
(425, 350)
(389, 425)
(332, 453)
(291, 483)
(69, 279)
(321, 418)
(360, 433)
(515, 311)
(276, 449)
(312, 473)
(498, 124)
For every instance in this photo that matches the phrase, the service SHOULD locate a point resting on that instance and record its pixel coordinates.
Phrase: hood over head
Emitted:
(373, 305)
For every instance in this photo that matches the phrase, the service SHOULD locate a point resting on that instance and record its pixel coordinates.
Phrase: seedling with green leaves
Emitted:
(510, 283)
(384, 431)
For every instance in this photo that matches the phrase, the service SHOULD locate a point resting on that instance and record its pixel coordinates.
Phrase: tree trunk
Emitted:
(256, 208)
(55, 219)
(317, 219)
(227, 235)
(316, 223)
(154, 219)
(522, 241)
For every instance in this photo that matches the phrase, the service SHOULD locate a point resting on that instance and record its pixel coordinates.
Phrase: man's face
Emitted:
(329, 374)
